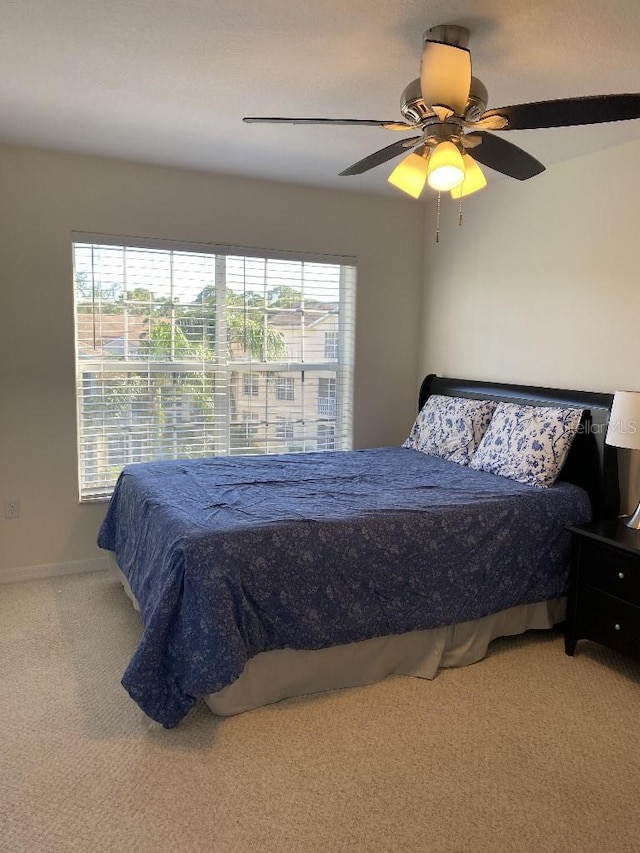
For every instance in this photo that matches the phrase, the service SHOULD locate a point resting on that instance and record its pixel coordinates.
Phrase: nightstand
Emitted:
(604, 591)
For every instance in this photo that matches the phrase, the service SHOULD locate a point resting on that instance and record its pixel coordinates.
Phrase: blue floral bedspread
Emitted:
(232, 556)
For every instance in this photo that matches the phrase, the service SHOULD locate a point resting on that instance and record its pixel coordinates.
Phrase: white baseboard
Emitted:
(54, 570)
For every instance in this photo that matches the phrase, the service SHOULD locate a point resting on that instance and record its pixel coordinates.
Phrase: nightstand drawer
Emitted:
(612, 571)
(610, 621)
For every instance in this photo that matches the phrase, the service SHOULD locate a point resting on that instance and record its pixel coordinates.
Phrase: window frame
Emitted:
(175, 368)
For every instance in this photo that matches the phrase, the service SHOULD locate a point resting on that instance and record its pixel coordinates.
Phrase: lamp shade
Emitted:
(474, 178)
(410, 175)
(446, 167)
(624, 423)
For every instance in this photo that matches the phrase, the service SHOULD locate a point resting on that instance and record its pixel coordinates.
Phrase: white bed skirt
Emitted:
(281, 674)
(284, 673)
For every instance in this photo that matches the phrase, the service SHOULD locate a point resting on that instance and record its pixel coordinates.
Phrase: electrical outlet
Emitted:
(12, 508)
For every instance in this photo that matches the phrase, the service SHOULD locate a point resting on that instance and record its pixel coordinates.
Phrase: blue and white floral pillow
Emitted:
(527, 443)
(450, 427)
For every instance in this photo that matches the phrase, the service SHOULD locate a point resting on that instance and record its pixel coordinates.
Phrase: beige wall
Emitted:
(538, 286)
(47, 195)
(541, 283)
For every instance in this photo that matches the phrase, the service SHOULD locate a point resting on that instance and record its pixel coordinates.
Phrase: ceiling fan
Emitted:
(446, 108)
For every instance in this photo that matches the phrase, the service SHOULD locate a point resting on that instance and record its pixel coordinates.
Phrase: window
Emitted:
(331, 346)
(326, 437)
(327, 397)
(250, 386)
(285, 388)
(284, 429)
(194, 350)
(244, 434)
(250, 427)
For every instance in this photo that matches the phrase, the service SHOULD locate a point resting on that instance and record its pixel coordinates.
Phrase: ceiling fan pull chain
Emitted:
(460, 214)
(438, 219)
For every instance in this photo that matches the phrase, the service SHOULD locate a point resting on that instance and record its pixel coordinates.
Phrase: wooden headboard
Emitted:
(591, 464)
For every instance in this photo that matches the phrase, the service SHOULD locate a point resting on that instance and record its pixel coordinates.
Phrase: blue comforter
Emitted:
(232, 556)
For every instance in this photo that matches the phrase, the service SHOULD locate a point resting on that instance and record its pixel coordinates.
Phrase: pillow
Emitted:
(527, 443)
(450, 427)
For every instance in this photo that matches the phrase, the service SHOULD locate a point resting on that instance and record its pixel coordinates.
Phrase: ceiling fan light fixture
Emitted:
(446, 167)
(445, 76)
(410, 175)
(474, 178)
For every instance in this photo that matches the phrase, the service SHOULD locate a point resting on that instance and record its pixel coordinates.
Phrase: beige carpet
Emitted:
(528, 750)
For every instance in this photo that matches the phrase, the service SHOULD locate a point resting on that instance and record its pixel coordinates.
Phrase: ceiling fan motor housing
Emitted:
(415, 111)
(448, 34)
(478, 99)
(412, 107)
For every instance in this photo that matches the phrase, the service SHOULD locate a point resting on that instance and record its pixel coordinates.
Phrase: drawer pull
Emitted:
(621, 575)
(616, 627)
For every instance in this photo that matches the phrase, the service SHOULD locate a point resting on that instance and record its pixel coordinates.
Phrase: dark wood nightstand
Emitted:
(604, 592)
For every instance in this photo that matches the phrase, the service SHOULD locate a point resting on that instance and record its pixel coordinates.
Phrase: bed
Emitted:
(260, 578)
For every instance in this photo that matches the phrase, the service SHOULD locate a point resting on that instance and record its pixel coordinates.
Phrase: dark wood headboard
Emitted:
(591, 464)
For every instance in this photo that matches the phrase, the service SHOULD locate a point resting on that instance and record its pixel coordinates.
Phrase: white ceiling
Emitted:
(168, 81)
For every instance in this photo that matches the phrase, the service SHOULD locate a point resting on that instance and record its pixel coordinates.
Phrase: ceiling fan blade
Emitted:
(388, 125)
(503, 156)
(567, 112)
(381, 156)
(445, 76)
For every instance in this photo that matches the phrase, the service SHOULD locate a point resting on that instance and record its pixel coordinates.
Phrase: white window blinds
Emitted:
(190, 350)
